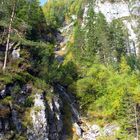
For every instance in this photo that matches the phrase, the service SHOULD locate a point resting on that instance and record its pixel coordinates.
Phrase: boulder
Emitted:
(89, 136)
(39, 129)
(95, 129)
(78, 129)
(110, 129)
(3, 92)
(92, 133)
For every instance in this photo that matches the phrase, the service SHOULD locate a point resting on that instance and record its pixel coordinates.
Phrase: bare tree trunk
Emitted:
(8, 37)
(136, 123)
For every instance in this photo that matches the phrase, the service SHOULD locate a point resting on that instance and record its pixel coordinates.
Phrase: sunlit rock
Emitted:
(16, 53)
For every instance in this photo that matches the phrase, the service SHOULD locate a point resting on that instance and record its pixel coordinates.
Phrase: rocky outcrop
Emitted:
(46, 117)
(126, 12)
(16, 53)
(55, 118)
(95, 131)
(5, 91)
(39, 130)
(9, 121)
(16, 120)
(75, 116)
(123, 11)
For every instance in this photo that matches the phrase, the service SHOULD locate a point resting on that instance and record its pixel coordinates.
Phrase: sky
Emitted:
(42, 1)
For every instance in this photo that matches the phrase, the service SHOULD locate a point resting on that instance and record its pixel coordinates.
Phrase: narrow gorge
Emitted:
(69, 70)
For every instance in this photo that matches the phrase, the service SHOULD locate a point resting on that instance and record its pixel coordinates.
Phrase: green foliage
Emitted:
(29, 101)
(104, 79)
(107, 91)
(117, 39)
(20, 137)
(6, 100)
(40, 84)
(16, 89)
(55, 12)
(6, 78)
(126, 116)
(90, 33)
(65, 74)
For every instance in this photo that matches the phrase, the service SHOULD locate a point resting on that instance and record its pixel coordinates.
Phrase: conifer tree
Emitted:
(90, 35)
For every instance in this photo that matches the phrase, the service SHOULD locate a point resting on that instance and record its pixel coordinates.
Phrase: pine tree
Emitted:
(91, 44)
(117, 40)
(102, 33)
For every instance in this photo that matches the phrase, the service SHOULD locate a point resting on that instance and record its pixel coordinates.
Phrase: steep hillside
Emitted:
(69, 70)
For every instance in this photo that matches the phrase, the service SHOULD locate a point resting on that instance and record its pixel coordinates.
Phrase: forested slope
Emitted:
(69, 70)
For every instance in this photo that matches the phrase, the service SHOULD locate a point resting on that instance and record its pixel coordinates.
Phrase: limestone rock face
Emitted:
(55, 118)
(46, 118)
(39, 120)
(8, 120)
(16, 120)
(124, 11)
(110, 129)
(78, 129)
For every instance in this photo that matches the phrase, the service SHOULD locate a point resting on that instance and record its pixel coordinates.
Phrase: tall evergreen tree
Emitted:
(90, 34)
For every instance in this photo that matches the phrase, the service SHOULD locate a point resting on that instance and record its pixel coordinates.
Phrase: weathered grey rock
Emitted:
(74, 17)
(3, 92)
(52, 120)
(57, 109)
(6, 125)
(21, 99)
(78, 129)
(39, 131)
(16, 53)
(110, 129)
(92, 133)
(60, 59)
(96, 130)
(16, 120)
(89, 136)
(26, 89)
(1, 136)
(59, 38)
